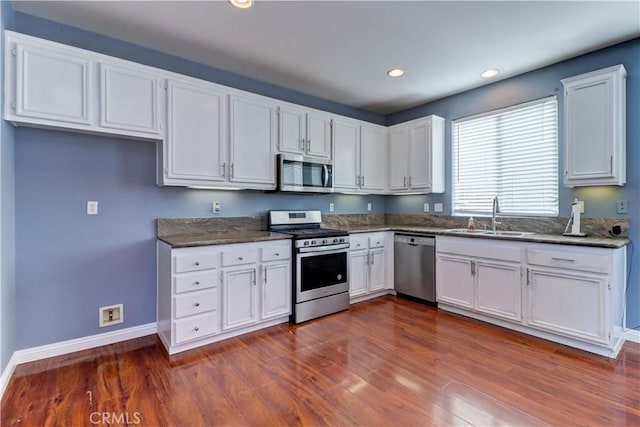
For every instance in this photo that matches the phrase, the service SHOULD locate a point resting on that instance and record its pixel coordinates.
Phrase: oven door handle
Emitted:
(325, 249)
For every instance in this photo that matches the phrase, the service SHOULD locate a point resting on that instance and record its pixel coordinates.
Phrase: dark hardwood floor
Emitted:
(384, 362)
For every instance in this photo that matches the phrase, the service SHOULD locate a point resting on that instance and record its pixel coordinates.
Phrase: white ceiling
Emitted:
(341, 50)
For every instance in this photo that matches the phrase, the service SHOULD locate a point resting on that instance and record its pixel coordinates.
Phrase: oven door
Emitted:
(320, 274)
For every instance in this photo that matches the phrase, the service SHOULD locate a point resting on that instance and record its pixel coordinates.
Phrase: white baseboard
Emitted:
(7, 373)
(70, 346)
(632, 335)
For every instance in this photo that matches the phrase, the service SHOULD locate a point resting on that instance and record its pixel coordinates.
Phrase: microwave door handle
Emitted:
(325, 175)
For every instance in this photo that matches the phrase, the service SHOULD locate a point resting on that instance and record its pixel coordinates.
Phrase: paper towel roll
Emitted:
(575, 212)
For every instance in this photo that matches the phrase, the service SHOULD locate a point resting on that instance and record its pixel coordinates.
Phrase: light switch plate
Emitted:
(425, 207)
(369, 207)
(330, 207)
(215, 207)
(92, 207)
(437, 207)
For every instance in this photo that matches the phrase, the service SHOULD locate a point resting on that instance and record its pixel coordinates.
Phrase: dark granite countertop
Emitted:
(221, 238)
(595, 241)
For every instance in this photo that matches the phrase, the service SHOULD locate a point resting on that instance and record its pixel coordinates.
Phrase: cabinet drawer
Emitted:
(574, 261)
(195, 302)
(196, 281)
(195, 262)
(195, 327)
(276, 253)
(376, 240)
(239, 256)
(358, 242)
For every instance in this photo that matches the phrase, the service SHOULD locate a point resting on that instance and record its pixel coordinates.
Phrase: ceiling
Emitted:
(341, 50)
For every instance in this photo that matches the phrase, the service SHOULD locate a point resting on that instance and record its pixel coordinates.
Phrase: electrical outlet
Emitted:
(330, 207)
(622, 206)
(92, 207)
(437, 207)
(369, 207)
(215, 206)
(110, 315)
(425, 207)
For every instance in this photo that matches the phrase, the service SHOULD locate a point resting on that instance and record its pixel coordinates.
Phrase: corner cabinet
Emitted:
(359, 157)
(370, 265)
(416, 156)
(568, 294)
(595, 128)
(210, 293)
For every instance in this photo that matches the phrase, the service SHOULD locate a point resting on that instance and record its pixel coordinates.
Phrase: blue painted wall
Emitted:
(7, 219)
(599, 201)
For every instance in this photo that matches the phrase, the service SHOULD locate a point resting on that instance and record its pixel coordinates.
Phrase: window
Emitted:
(511, 153)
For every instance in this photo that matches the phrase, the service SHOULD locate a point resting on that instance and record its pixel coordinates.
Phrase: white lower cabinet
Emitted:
(571, 294)
(210, 293)
(370, 265)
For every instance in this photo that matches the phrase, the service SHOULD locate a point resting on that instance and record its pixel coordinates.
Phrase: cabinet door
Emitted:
(318, 135)
(292, 130)
(420, 156)
(346, 159)
(377, 270)
(569, 303)
(358, 267)
(251, 141)
(239, 298)
(195, 132)
(276, 290)
(372, 159)
(498, 289)
(398, 158)
(129, 100)
(595, 128)
(52, 86)
(454, 280)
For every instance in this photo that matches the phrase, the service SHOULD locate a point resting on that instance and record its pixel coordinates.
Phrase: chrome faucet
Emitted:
(494, 211)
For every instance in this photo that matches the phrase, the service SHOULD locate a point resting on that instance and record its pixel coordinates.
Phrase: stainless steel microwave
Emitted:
(304, 174)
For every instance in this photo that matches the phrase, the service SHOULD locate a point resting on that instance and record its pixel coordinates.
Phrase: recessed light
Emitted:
(242, 4)
(490, 73)
(396, 72)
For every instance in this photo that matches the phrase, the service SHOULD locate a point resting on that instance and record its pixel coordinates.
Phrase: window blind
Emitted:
(511, 153)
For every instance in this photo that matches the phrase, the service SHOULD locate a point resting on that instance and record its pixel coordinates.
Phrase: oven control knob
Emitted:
(335, 240)
(313, 242)
(324, 242)
(306, 243)
(342, 240)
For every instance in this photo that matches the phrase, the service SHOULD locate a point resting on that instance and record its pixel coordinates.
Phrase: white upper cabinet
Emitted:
(252, 141)
(416, 153)
(359, 151)
(346, 163)
(195, 146)
(595, 123)
(304, 132)
(129, 99)
(53, 85)
(48, 84)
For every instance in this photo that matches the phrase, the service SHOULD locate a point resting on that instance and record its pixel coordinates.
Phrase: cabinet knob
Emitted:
(240, 258)
(277, 254)
(196, 329)
(197, 283)
(197, 304)
(197, 263)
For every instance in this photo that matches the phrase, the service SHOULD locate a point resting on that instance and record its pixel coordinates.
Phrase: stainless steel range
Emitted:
(320, 284)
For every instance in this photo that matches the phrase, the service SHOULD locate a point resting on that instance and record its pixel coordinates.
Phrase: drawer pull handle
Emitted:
(197, 283)
(197, 263)
(564, 259)
(197, 304)
(240, 258)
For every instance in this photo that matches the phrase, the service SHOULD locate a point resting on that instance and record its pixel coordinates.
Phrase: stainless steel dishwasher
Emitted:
(415, 266)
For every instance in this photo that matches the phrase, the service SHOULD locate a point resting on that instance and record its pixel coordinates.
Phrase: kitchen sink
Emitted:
(506, 233)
